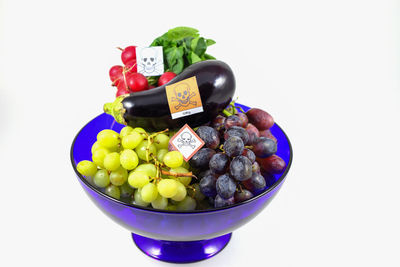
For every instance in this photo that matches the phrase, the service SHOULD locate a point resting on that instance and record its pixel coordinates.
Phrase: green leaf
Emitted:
(207, 56)
(181, 32)
(178, 66)
(199, 46)
(209, 42)
(194, 57)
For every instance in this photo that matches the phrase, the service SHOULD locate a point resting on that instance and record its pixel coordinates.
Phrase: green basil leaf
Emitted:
(178, 67)
(194, 58)
(181, 32)
(209, 42)
(199, 47)
(207, 56)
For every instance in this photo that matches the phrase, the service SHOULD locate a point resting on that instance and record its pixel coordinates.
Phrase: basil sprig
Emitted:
(182, 47)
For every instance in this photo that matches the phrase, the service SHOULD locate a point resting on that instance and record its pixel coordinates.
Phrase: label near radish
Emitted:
(187, 142)
(184, 98)
(150, 60)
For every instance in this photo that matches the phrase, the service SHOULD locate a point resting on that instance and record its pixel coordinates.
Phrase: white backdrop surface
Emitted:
(328, 71)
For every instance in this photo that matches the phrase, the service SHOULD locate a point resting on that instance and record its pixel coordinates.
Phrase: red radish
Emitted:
(122, 91)
(151, 86)
(166, 77)
(128, 54)
(137, 82)
(131, 66)
(115, 72)
(121, 84)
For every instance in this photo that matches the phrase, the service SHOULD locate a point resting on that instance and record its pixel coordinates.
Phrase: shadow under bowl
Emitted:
(176, 236)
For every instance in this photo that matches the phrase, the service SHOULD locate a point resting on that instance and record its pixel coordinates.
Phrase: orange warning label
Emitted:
(184, 98)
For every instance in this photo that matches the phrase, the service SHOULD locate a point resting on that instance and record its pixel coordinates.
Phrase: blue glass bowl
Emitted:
(175, 236)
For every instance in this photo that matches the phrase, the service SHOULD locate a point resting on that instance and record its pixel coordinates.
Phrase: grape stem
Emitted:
(249, 147)
(187, 174)
(120, 48)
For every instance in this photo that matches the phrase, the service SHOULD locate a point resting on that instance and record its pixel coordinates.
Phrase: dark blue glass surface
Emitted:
(159, 233)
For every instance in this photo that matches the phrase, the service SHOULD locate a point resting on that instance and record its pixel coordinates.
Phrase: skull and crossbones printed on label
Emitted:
(187, 142)
(184, 98)
(150, 60)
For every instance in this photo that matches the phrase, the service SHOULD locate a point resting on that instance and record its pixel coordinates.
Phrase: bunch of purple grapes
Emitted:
(238, 160)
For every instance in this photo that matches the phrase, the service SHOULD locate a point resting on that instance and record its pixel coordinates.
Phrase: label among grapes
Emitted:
(187, 142)
(184, 98)
(150, 60)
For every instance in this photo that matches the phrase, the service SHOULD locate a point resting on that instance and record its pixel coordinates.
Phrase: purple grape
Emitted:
(208, 185)
(255, 184)
(240, 168)
(209, 135)
(260, 118)
(219, 122)
(219, 163)
(226, 186)
(233, 146)
(221, 202)
(264, 147)
(201, 159)
(253, 133)
(237, 131)
(232, 120)
(243, 118)
(249, 154)
(243, 195)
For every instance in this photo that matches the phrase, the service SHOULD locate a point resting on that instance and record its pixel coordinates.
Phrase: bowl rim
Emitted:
(271, 188)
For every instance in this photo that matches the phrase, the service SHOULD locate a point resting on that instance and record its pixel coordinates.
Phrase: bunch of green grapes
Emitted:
(136, 167)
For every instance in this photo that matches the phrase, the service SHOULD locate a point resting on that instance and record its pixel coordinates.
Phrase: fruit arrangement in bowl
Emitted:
(180, 165)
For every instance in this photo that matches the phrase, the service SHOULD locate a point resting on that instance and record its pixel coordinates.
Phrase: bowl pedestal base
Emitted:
(181, 251)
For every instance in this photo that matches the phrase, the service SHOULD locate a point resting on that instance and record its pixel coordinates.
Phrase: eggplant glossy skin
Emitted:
(150, 110)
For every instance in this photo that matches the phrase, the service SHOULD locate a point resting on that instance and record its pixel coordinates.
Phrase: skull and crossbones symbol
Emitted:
(149, 61)
(186, 139)
(183, 96)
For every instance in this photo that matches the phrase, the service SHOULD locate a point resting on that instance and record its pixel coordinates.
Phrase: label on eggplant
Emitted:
(184, 98)
(187, 142)
(150, 60)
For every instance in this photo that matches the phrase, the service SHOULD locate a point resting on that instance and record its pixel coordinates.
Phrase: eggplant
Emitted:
(150, 110)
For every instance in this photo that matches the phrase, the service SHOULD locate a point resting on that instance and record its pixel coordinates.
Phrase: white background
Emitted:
(328, 71)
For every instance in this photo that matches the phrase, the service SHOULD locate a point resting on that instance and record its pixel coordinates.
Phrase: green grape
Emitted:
(95, 146)
(197, 193)
(126, 190)
(181, 192)
(173, 159)
(111, 161)
(161, 141)
(86, 168)
(119, 176)
(129, 159)
(141, 131)
(113, 191)
(160, 203)
(125, 131)
(186, 204)
(167, 187)
(171, 207)
(147, 168)
(141, 150)
(101, 178)
(132, 140)
(108, 138)
(99, 155)
(161, 153)
(138, 179)
(149, 192)
(185, 180)
(137, 198)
